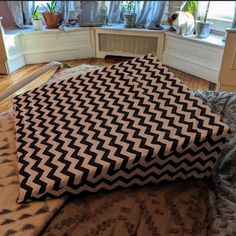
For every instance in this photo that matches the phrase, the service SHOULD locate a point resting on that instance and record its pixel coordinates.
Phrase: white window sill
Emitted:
(215, 40)
(31, 30)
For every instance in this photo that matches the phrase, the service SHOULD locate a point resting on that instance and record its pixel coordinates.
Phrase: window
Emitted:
(42, 9)
(221, 14)
(222, 10)
(40, 3)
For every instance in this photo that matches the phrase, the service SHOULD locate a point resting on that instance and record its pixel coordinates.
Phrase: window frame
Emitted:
(220, 25)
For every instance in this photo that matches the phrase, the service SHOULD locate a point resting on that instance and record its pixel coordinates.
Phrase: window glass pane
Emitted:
(39, 3)
(221, 10)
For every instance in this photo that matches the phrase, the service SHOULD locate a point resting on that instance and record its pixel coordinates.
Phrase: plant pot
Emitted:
(51, 19)
(129, 20)
(203, 29)
(37, 24)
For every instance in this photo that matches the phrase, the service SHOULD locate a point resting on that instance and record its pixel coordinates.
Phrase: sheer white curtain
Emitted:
(64, 7)
(113, 11)
(21, 12)
(89, 12)
(93, 12)
(67, 7)
(149, 13)
(98, 11)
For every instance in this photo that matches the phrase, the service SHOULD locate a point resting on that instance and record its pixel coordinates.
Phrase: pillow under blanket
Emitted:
(127, 124)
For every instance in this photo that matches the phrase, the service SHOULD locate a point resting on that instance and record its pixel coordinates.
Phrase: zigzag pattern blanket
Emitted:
(130, 123)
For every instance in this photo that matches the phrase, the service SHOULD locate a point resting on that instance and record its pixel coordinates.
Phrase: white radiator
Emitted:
(124, 42)
(128, 44)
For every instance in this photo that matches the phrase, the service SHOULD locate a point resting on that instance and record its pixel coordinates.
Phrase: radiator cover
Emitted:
(128, 42)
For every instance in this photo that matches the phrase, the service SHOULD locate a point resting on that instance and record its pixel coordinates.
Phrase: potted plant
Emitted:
(203, 28)
(129, 15)
(51, 15)
(190, 6)
(37, 22)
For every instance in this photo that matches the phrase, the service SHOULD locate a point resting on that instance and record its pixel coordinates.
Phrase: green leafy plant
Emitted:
(51, 7)
(190, 6)
(129, 6)
(36, 14)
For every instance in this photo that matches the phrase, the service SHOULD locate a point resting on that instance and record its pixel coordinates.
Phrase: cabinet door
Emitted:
(227, 77)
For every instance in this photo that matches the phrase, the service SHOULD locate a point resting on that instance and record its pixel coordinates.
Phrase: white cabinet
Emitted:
(198, 57)
(18, 47)
(51, 45)
(120, 41)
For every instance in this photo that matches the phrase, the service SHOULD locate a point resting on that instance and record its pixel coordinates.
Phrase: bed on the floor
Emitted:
(192, 207)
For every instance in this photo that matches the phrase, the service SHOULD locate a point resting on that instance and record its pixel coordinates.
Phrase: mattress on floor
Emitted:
(128, 124)
(189, 208)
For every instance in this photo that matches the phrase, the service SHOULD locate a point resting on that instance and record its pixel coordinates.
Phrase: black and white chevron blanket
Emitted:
(128, 124)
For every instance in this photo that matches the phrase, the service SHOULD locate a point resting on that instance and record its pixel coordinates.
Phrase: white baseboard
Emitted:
(11, 65)
(15, 63)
